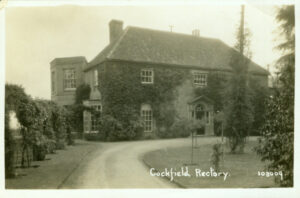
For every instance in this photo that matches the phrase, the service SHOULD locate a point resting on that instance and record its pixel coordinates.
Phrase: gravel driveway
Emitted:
(120, 165)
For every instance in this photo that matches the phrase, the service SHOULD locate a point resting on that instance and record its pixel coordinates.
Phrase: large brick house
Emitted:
(150, 53)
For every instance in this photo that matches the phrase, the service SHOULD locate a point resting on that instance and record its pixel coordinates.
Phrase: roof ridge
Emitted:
(116, 44)
(174, 33)
(127, 47)
(69, 58)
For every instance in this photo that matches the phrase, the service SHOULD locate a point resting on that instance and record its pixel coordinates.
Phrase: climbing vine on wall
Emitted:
(123, 93)
(216, 84)
(215, 91)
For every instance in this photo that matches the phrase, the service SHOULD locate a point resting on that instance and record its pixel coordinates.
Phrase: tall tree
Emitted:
(237, 110)
(277, 143)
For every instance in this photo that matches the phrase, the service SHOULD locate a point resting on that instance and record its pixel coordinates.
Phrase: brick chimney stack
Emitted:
(115, 29)
(196, 32)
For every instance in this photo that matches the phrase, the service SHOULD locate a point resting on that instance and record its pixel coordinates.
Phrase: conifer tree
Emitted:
(238, 113)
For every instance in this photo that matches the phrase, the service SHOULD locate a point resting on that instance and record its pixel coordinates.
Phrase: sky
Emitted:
(37, 35)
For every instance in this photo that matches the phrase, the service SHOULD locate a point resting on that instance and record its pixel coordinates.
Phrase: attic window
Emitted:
(200, 79)
(147, 76)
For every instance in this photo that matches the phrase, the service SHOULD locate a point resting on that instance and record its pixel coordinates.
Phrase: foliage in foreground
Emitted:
(277, 143)
(44, 126)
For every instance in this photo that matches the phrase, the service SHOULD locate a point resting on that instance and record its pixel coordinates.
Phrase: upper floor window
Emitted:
(69, 79)
(146, 114)
(147, 76)
(53, 83)
(96, 82)
(222, 75)
(200, 79)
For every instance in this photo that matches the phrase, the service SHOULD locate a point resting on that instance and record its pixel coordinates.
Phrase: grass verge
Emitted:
(242, 168)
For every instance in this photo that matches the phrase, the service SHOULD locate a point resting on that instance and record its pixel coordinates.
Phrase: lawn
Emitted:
(242, 168)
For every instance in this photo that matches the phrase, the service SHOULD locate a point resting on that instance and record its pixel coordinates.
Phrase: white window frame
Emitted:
(147, 116)
(147, 76)
(94, 119)
(69, 83)
(90, 121)
(200, 78)
(87, 121)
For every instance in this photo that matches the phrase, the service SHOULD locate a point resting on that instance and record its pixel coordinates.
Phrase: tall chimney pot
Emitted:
(115, 29)
(196, 32)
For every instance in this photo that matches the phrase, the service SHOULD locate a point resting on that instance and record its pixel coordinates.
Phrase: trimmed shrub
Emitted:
(50, 146)
(93, 137)
(60, 144)
(180, 128)
(39, 152)
(110, 129)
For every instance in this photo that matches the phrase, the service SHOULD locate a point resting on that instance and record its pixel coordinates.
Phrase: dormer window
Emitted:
(200, 79)
(147, 76)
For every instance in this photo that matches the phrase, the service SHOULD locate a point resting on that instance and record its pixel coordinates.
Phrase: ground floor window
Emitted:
(86, 121)
(94, 122)
(91, 119)
(147, 116)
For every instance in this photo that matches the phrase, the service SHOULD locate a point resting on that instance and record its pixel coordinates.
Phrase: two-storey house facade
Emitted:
(144, 58)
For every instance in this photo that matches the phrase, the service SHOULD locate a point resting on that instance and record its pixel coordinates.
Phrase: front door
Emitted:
(199, 115)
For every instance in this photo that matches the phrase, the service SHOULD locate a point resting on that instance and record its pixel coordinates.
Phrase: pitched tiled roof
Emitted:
(159, 47)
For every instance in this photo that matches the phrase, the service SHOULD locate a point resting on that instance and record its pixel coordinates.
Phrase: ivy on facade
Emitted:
(123, 94)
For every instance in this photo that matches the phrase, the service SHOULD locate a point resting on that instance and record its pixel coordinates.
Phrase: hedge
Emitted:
(44, 126)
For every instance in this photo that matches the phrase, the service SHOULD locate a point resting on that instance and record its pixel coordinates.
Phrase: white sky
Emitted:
(37, 35)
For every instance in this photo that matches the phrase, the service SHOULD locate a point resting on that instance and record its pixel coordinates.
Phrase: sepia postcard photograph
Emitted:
(188, 97)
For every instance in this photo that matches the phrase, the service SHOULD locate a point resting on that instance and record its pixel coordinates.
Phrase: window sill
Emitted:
(70, 89)
(201, 86)
(147, 83)
(91, 132)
